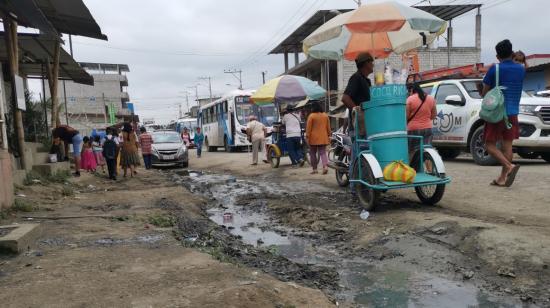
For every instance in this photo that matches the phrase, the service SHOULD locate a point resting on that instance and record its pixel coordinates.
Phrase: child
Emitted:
(185, 136)
(110, 154)
(199, 138)
(88, 159)
(97, 149)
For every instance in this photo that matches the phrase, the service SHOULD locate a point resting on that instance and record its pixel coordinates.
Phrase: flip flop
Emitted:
(511, 176)
(495, 183)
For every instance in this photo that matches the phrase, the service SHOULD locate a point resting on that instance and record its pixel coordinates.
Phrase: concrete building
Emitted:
(334, 75)
(87, 107)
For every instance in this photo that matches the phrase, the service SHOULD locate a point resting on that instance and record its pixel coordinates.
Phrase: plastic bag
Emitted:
(398, 171)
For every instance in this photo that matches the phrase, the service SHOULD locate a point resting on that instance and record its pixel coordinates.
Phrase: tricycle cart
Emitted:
(387, 141)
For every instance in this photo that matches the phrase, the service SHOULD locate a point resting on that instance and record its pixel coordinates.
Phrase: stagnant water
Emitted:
(364, 282)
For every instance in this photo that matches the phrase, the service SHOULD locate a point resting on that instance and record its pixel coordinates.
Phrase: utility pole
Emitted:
(234, 73)
(358, 2)
(263, 76)
(209, 85)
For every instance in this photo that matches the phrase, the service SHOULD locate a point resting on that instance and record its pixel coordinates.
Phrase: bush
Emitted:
(33, 178)
(23, 206)
(162, 221)
(60, 176)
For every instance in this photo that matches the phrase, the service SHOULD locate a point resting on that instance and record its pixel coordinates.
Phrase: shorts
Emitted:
(414, 143)
(494, 132)
(77, 144)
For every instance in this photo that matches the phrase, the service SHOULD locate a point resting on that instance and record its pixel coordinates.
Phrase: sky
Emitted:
(170, 44)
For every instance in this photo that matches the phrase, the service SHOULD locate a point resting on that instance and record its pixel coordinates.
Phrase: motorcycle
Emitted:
(340, 157)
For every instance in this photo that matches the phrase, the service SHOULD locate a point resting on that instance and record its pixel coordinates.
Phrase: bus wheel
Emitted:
(208, 147)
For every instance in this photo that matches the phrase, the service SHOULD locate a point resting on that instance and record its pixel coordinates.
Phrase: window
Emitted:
(428, 90)
(445, 90)
(225, 109)
(473, 88)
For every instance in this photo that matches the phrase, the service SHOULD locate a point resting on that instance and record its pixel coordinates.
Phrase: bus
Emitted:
(224, 120)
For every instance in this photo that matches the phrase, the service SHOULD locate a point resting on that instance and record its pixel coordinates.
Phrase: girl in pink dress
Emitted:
(98, 152)
(88, 159)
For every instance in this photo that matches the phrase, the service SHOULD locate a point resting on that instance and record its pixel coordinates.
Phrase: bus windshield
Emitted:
(268, 114)
(243, 109)
(190, 125)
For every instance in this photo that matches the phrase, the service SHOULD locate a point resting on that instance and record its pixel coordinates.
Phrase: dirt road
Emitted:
(226, 234)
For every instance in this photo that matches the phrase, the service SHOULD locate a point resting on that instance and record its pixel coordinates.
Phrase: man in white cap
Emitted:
(256, 131)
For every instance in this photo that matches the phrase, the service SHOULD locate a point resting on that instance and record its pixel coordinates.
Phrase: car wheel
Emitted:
(477, 148)
(528, 154)
(545, 156)
(448, 154)
(185, 164)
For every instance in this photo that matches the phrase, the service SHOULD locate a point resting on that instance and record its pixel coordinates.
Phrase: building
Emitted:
(334, 75)
(538, 73)
(88, 107)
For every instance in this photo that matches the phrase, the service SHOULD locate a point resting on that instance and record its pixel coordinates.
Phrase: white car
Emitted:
(458, 127)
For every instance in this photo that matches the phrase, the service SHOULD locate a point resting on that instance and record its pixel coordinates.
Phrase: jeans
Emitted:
(77, 144)
(147, 160)
(322, 149)
(111, 167)
(199, 148)
(294, 149)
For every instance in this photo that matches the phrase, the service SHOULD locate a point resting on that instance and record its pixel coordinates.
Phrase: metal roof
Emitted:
(448, 12)
(293, 43)
(105, 66)
(34, 52)
(54, 16)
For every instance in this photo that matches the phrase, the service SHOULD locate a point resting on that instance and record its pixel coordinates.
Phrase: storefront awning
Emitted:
(35, 50)
(53, 17)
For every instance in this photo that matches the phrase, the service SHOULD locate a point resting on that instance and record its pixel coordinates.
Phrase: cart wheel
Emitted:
(367, 197)
(274, 160)
(430, 194)
(342, 177)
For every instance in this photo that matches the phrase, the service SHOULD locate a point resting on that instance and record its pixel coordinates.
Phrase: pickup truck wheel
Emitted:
(528, 154)
(545, 156)
(477, 148)
(448, 154)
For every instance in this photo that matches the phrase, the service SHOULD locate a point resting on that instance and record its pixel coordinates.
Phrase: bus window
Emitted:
(243, 109)
(268, 114)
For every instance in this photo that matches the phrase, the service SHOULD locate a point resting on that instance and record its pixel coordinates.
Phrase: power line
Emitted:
(177, 53)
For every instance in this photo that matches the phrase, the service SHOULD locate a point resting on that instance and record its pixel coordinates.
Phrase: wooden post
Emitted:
(10, 29)
(53, 76)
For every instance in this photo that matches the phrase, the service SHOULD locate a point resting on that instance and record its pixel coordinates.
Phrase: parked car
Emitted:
(458, 127)
(169, 149)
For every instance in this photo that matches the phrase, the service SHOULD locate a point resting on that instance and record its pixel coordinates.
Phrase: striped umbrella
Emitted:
(288, 88)
(380, 29)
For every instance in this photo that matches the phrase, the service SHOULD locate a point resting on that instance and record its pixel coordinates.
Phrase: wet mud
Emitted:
(303, 233)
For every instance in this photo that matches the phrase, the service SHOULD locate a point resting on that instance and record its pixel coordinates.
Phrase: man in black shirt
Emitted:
(358, 88)
(357, 92)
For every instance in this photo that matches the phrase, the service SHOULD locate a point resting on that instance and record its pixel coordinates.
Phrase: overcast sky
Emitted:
(169, 44)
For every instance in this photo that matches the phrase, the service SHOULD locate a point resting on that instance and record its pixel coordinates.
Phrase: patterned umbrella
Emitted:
(380, 29)
(288, 88)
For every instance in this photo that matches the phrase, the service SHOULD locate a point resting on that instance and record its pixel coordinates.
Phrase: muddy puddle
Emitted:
(408, 270)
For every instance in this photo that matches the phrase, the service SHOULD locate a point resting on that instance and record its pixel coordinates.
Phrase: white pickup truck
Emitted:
(458, 127)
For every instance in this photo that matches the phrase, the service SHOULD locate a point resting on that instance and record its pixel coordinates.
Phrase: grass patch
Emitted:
(23, 206)
(60, 176)
(162, 220)
(67, 191)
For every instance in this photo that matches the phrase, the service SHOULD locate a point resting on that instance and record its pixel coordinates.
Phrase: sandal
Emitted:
(511, 176)
(314, 172)
(325, 171)
(495, 183)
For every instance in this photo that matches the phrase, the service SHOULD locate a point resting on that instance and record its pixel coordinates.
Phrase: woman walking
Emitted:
(129, 157)
(318, 137)
(98, 152)
(421, 110)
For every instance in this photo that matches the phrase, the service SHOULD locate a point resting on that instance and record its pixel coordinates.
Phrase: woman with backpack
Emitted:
(421, 111)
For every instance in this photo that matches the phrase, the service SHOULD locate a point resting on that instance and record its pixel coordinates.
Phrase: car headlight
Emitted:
(527, 109)
(181, 150)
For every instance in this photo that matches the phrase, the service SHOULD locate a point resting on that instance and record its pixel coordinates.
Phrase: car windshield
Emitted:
(244, 109)
(166, 138)
(473, 88)
(268, 114)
